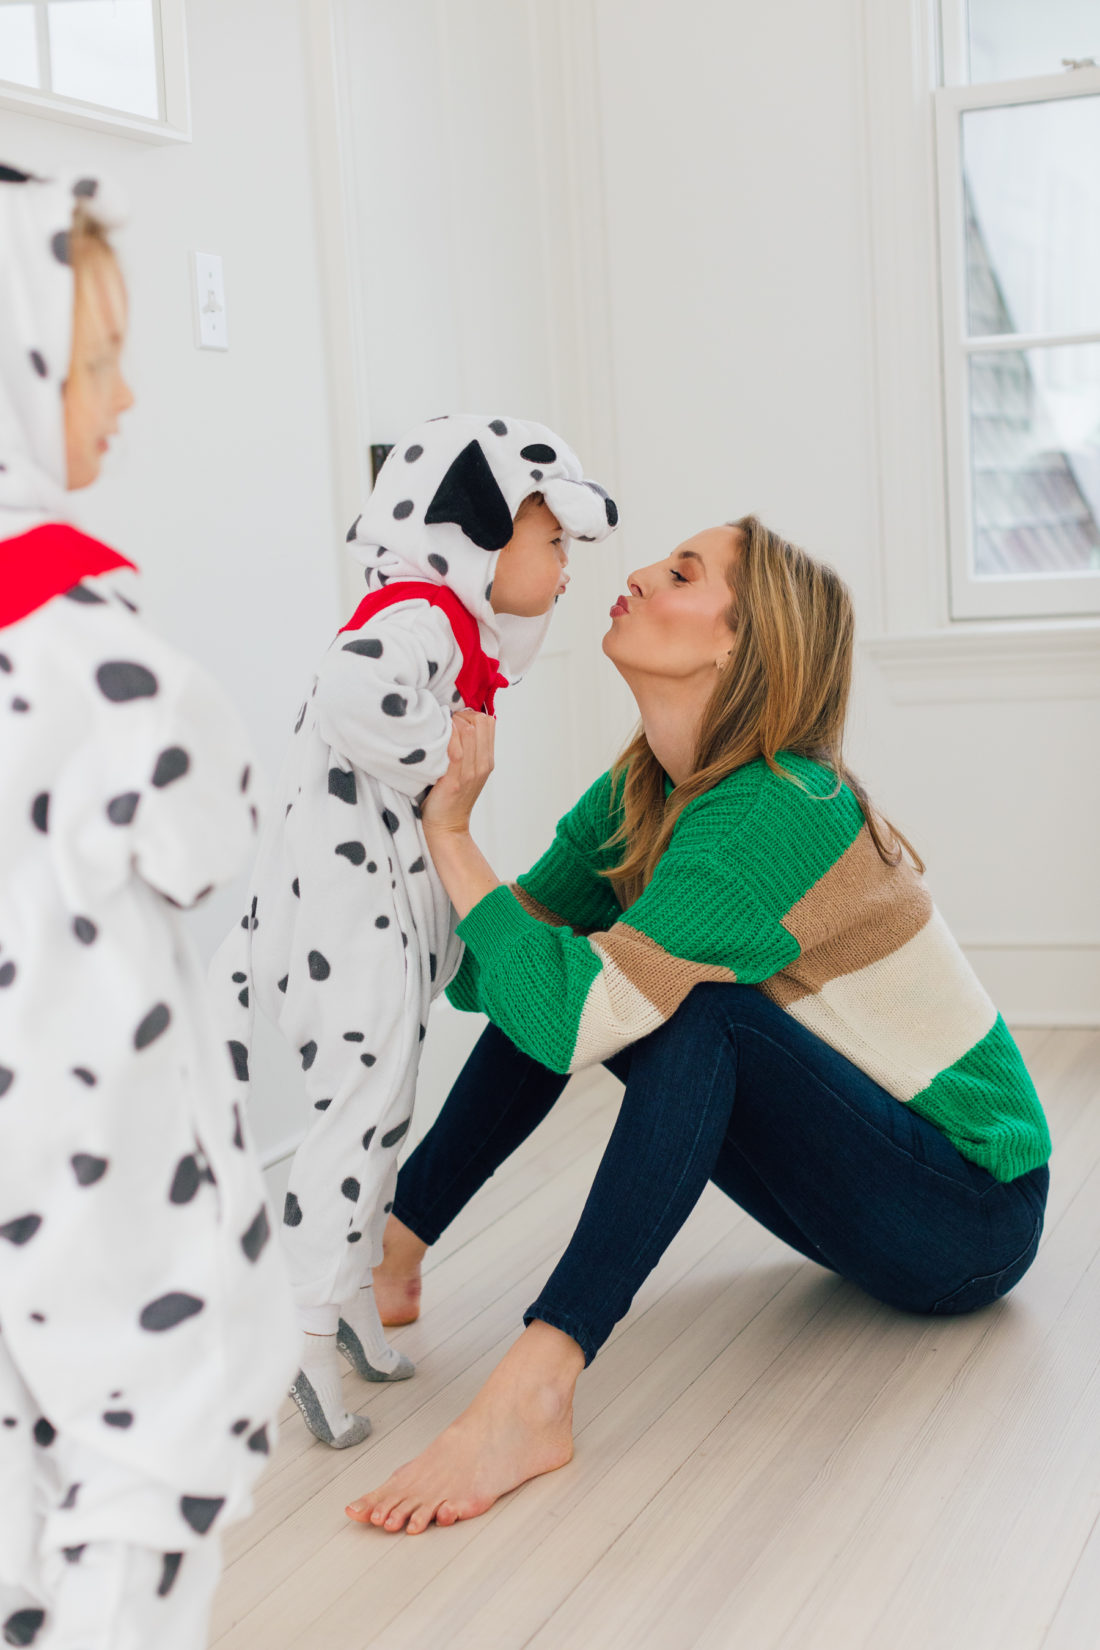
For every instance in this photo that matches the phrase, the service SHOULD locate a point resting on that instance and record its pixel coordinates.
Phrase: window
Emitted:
(119, 65)
(1018, 141)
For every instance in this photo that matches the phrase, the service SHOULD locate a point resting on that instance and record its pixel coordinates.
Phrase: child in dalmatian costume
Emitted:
(350, 933)
(146, 1324)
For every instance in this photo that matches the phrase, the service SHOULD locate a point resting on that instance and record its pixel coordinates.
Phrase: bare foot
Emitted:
(519, 1426)
(397, 1280)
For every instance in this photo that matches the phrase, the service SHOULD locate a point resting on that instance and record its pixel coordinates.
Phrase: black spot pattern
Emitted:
(88, 1169)
(354, 1237)
(70, 1498)
(40, 811)
(432, 964)
(7, 973)
(81, 593)
(5, 664)
(394, 705)
(238, 1427)
(292, 1211)
(283, 983)
(353, 1036)
(390, 820)
(60, 246)
(308, 1051)
(44, 1433)
(122, 679)
(403, 510)
(239, 1055)
(85, 1076)
(441, 565)
(381, 922)
(254, 1238)
(413, 453)
(154, 1025)
(73, 1555)
(38, 363)
(21, 1230)
(120, 1418)
(186, 1180)
(318, 966)
(296, 888)
(341, 783)
(394, 1135)
(367, 1059)
(238, 1132)
(301, 716)
(322, 1105)
(350, 1188)
(200, 1511)
(172, 764)
(121, 809)
(7, 1078)
(352, 528)
(239, 978)
(259, 1441)
(22, 1627)
(86, 188)
(417, 865)
(499, 427)
(413, 758)
(169, 1310)
(12, 174)
(84, 929)
(353, 851)
(538, 453)
(20, 705)
(367, 646)
(169, 1570)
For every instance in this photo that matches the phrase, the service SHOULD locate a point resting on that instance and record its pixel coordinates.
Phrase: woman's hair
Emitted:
(784, 687)
(88, 239)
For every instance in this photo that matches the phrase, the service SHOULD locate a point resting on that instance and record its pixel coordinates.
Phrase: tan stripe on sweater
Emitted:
(639, 987)
(859, 912)
(541, 913)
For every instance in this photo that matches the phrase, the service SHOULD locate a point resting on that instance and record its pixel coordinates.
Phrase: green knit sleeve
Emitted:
(566, 882)
(572, 1000)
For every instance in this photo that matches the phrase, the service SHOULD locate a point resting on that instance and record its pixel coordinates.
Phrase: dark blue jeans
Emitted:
(733, 1089)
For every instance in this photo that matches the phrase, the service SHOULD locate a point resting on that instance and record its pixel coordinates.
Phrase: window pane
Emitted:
(1010, 39)
(18, 45)
(104, 51)
(1035, 457)
(1032, 182)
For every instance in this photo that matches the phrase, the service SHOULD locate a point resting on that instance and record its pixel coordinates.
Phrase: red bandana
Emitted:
(39, 565)
(480, 677)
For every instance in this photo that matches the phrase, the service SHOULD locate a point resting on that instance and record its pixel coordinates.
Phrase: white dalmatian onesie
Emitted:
(146, 1324)
(350, 933)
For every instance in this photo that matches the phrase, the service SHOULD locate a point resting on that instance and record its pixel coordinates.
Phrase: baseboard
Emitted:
(1045, 983)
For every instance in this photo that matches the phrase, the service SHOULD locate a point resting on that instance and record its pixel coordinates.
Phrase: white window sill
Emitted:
(1027, 660)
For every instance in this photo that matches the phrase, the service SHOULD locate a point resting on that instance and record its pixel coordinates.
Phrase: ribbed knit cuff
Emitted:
(495, 923)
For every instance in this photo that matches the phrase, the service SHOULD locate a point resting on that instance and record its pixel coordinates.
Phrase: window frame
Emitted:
(174, 122)
(1022, 595)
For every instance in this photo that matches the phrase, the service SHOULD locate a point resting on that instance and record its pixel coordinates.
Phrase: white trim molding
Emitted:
(995, 662)
(1052, 982)
(174, 124)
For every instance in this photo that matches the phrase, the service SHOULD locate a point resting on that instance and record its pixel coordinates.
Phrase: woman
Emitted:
(728, 924)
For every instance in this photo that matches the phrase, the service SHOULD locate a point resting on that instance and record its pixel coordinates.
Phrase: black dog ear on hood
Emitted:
(469, 496)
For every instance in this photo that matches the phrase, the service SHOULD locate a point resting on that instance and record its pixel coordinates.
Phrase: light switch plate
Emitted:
(213, 332)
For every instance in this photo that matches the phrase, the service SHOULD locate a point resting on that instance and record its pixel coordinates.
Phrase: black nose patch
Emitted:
(469, 496)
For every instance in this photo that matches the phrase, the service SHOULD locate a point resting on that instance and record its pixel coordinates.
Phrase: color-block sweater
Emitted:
(770, 883)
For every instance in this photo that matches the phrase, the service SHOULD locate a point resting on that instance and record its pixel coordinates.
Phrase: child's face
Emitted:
(95, 390)
(530, 573)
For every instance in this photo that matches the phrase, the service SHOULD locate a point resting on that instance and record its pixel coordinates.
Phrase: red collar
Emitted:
(39, 565)
(479, 678)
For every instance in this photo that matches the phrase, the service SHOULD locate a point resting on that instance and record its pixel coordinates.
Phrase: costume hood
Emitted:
(36, 325)
(444, 505)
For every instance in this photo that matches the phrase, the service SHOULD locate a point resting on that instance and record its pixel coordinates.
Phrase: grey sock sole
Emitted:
(354, 1351)
(313, 1415)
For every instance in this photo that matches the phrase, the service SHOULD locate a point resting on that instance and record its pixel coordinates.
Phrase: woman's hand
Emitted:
(450, 802)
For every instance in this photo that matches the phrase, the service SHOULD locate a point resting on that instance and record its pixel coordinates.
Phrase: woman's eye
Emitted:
(679, 577)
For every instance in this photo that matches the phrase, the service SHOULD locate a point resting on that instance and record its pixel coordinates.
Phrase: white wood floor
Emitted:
(766, 1460)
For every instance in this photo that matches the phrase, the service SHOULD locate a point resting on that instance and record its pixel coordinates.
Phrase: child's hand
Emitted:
(450, 801)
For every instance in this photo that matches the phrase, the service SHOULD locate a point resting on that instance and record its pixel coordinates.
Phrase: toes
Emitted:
(360, 1510)
(446, 1513)
(399, 1515)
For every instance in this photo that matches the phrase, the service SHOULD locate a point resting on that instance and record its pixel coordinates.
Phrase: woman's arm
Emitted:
(463, 869)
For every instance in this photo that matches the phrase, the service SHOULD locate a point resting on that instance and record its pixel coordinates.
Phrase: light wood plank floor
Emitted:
(766, 1460)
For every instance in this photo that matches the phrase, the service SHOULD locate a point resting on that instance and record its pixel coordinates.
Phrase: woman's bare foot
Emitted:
(519, 1426)
(397, 1280)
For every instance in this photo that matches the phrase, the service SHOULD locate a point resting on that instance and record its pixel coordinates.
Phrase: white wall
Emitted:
(221, 488)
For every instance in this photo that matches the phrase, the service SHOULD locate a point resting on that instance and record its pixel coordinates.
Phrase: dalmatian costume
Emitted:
(146, 1324)
(350, 933)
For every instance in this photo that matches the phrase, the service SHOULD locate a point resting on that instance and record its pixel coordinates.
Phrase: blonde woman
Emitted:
(729, 925)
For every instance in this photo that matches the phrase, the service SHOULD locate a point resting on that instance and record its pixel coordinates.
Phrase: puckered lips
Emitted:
(621, 606)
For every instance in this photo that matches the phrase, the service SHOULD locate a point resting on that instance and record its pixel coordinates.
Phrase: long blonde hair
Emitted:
(785, 687)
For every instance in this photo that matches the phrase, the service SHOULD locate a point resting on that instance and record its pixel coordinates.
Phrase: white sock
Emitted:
(318, 1392)
(384, 1360)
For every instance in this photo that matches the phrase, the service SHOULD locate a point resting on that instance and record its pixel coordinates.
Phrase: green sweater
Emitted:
(767, 883)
